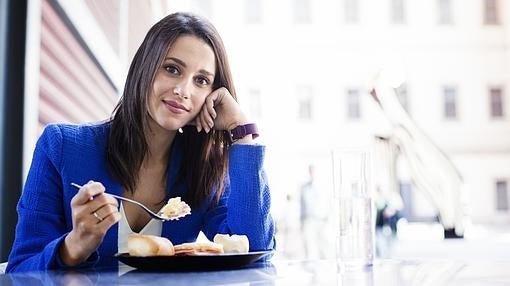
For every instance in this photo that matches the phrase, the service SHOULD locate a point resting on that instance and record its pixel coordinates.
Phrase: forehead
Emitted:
(194, 52)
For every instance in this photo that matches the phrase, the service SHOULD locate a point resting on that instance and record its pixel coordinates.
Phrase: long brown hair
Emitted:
(205, 160)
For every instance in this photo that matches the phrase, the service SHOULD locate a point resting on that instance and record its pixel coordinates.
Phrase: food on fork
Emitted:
(149, 245)
(233, 244)
(197, 248)
(175, 209)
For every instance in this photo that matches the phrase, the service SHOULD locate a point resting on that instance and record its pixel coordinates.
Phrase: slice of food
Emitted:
(175, 209)
(149, 245)
(233, 244)
(197, 248)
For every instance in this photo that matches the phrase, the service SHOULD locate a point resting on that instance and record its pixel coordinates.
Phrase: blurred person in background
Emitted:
(177, 131)
(388, 206)
(388, 211)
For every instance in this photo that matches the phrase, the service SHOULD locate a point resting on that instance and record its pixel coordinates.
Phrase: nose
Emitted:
(181, 89)
(177, 90)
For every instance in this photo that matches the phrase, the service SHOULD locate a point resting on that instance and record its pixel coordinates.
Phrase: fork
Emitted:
(151, 213)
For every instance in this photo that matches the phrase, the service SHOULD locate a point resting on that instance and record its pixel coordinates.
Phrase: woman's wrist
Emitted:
(248, 139)
(244, 133)
(69, 253)
(241, 137)
(238, 121)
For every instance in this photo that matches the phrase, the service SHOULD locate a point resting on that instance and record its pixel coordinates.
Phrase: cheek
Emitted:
(197, 107)
(151, 103)
(199, 100)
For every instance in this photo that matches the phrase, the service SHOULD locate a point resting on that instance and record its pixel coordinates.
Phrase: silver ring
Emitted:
(100, 219)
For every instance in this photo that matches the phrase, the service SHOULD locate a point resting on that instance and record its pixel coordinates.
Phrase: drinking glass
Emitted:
(354, 209)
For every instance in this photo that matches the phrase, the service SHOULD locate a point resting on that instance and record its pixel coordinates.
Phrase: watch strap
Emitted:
(241, 131)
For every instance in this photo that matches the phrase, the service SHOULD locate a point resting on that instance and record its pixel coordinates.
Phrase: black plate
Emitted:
(206, 262)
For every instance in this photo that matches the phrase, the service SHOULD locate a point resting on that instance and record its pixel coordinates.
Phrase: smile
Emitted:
(175, 107)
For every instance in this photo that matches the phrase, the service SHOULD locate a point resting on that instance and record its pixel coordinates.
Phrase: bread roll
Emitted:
(149, 245)
(233, 244)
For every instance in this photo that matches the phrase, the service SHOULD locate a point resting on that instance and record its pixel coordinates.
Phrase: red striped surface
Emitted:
(72, 87)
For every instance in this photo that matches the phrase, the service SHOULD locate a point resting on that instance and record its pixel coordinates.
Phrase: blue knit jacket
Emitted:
(76, 153)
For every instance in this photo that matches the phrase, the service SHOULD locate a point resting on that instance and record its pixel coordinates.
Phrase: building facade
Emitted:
(302, 68)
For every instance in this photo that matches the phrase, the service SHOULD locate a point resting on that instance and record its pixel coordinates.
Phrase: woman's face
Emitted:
(182, 83)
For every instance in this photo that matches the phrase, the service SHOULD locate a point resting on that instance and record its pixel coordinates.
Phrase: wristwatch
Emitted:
(241, 131)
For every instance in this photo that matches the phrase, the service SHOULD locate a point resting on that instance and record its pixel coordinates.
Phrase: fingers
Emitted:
(92, 206)
(205, 119)
(198, 124)
(102, 200)
(107, 215)
(93, 213)
(209, 106)
(87, 193)
(219, 111)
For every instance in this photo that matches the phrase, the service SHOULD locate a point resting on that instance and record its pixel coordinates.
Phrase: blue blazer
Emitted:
(76, 153)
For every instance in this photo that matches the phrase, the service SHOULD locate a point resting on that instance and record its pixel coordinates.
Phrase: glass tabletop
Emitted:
(286, 272)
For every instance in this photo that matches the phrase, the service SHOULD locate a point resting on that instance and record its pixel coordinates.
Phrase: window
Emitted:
(302, 11)
(353, 104)
(490, 12)
(397, 12)
(305, 99)
(496, 100)
(445, 12)
(351, 11)
(402, 97)
(501, 195)
(253, 11)
(450, 102)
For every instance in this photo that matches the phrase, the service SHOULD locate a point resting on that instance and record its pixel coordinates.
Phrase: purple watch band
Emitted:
(243, 130)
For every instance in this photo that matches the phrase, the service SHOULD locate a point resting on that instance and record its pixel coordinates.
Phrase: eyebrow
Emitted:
(184, 65)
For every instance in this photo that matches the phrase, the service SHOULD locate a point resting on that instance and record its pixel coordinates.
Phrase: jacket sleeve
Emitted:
(41, 224)
(244, 207)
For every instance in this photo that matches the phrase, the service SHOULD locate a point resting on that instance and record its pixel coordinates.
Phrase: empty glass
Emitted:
(354, 209)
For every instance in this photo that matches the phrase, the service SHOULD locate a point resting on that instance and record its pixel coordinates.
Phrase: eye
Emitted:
(202, 81)
(171, 69)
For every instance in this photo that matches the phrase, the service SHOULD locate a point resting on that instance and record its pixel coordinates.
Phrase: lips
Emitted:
(175, 107)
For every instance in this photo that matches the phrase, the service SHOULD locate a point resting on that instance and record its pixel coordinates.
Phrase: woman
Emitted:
(177, 131)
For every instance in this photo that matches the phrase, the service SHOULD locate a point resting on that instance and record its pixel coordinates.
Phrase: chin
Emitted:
(168, 123)
(168, 126)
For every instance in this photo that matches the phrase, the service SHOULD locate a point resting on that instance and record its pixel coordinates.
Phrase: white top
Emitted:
(153, 227)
